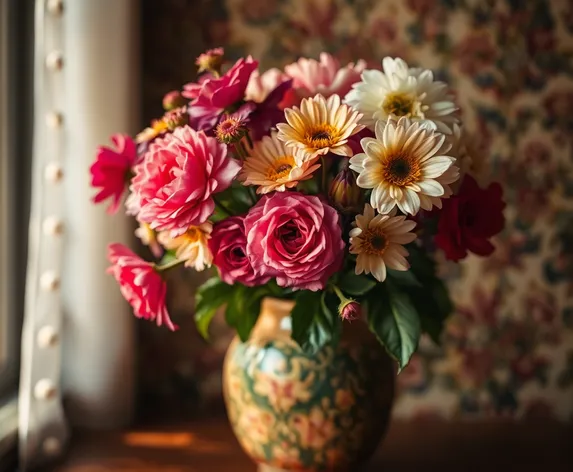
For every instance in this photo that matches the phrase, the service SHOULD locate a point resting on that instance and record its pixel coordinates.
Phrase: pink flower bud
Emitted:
(350, 310)
(173, 100)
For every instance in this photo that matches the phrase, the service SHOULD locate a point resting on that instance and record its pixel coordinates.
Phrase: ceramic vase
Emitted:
(294, 411)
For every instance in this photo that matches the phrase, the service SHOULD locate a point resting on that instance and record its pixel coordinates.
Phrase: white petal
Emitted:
(394, 260)
(410, 202)
(379, 270)
(436, 166)
(431, 188)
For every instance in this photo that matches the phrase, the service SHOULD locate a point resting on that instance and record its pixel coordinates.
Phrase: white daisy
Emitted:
(404, 164)
(403, 91)
(320, 126)
(274, 166)
(378, 240)
(191, 247)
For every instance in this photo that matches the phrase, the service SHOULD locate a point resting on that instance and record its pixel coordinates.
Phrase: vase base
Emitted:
(268, 468)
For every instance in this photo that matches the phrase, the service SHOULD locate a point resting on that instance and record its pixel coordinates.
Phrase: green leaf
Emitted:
(441, 295)
(236, 199)
(431, 299)
(210, 296)
(314, 322)
(355, 285)
(394, 320)
(168, 256)
(421, 265)
(243, 309)
(405, 278)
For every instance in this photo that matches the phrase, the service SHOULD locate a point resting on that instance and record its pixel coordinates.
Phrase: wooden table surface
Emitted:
(209, 446)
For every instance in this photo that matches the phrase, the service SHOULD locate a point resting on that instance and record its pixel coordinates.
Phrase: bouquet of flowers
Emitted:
(330, 185)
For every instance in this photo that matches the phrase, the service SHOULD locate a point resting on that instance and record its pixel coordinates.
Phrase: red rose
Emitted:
(468, 220)
(228, 244)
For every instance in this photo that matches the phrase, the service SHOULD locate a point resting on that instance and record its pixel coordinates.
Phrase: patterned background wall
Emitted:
(508, 351)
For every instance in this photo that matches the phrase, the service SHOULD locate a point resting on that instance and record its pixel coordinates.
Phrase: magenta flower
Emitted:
(265, 115)
(140, 285)
(295, 238)
(217, 94)
(174, 185)
(111, 170)
(228, 244)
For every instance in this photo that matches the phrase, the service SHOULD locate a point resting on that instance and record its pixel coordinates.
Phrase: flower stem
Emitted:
(339, 293)
(323, 163)
(249, 140)
(222, 207)
(252, 194)
(241, 151)
(169, 265)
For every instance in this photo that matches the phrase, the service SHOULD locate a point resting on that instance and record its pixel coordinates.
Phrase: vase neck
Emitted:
(274, 319)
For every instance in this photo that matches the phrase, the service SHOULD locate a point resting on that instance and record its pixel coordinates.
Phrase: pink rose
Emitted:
(217, 94)
(325, 76)
(173, 186)
(228, 244)
(296, 238)
(110, 171)
(140, 285)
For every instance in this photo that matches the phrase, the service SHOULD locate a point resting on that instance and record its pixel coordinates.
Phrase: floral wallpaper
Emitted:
(508, 351)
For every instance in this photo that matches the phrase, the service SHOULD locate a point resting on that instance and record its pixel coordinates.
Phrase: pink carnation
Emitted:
(217, 94)
(296, 238)
(325, 76)
(140, 285)
(228, 245)
(110, 171)
(173, 186)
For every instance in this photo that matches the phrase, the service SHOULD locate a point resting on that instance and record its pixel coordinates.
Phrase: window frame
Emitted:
(16, 40)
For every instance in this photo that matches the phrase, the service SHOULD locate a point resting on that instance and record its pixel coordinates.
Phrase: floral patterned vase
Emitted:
(293, 411)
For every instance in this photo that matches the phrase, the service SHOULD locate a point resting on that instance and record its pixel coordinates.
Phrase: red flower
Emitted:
(468, 220)
(140, 285)
(110, 171)
(228, 244)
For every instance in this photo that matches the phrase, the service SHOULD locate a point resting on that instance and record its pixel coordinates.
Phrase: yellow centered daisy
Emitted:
(405, 166)
(320, 126)
(399, 90)
(374, 241)
(274, 166)
(377, 241)
(399, 104)
(191, 247)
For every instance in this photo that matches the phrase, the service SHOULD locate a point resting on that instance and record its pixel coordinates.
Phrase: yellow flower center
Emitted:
(374, 242)
(399, 104)
(192, 235)
(280, 168)
(401, 170)
(321, 136)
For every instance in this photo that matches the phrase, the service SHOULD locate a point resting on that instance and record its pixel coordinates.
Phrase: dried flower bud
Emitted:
(173, 100)
(350, 310)
(211, 61)
(344, 193)
(231, 129)
(176, 118)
